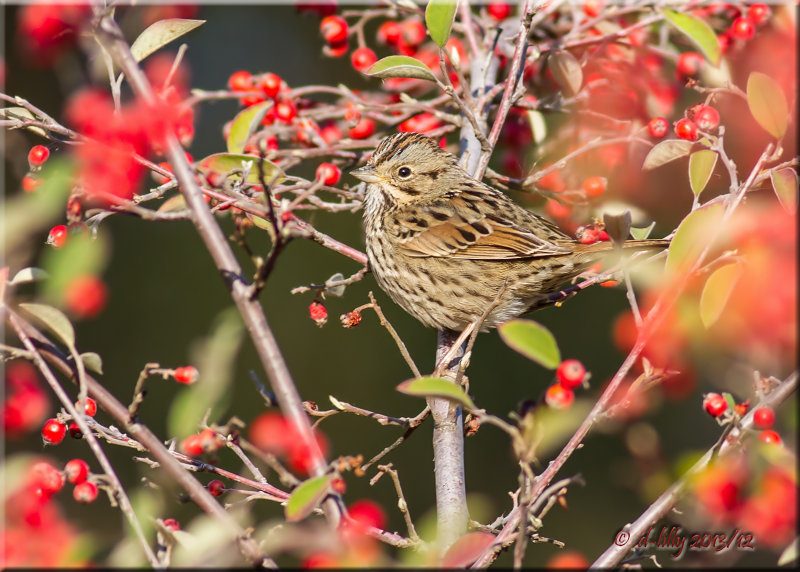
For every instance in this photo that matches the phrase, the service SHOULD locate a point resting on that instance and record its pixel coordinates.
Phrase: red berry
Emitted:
(187, 374)
(770, 437)
(318, 313)
(336, 50)
(570, 373)
(559, 397)
(658, 127)
(758, 13)
(171, 524)
(75, 431)
(706, 117)
(742, 28)
(714, 404)
(594, 186)
(57, 236)
(587, 234)
(328, 173)
(686, 129)
(76, 470)
(362, 59)
(85, 492)
(192, 445)
(362, 129)
(763, 417)
(367, 514)
(592, 8)
(249, 100)
(38, 155)
(389, 33)
(689, 63)
(285, 111)
(271, 143)
(339, 486)
(90, 408)
(85, 296)
(333, 29)
(270, 84)
(413, 32)
(240, 81)
(53, 431)
(47, 478)
(216, 488)
(498, 10)
(331, 134)
(29, 183)
(557, 209)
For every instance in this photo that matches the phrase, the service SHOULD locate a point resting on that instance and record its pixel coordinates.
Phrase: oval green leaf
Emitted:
(716, 292)
(701, 166)
(173, 204)
(224, 163)
(92, 361)
(439, 15)
(400, 66)
(784, 181)
(436, 387)
(698, 32)
(642, 233)
(566, 71)
(54, 319)
(29, 274)
(665, 152)
(692, 237)
(307, 496)
(245, 124)
(161, 33)
(467, 549)
(532, 340)
(767, 103)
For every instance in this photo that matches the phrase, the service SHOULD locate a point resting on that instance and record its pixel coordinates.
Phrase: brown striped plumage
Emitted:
(442, 244)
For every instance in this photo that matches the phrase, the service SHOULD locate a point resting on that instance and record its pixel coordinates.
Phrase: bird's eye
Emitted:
(404, 172)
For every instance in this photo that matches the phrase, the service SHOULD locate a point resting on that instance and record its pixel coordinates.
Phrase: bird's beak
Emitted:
(366, 173)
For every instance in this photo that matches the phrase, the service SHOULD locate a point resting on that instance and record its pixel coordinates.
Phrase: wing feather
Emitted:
(469, 225)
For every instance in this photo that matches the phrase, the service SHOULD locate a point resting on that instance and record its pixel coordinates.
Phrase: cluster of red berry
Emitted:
(273, 433)
(570, 374)
(717, 406)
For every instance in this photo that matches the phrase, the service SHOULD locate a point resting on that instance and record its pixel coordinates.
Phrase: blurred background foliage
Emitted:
(167, 303)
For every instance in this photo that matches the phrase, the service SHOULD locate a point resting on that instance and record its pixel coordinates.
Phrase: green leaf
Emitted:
(698, 32)
(81, 255)
(439, 15)
(21, 113)
(54, 319)
(307, 496)
(224, 163)
(665, 152)
(566, 71)
(784, 181)
(466, 549)
(244, 125)
(642, 233)
(161, 33)
(30, 274)
(767, 103)
(173, 204)
(532, 340)
(436, 387)
(692, 237)
(92, 361)
(701, 166)
(400, 66)
(717, 291)
(216, 356)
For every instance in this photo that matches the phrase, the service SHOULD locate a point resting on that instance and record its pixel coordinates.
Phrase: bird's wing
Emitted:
(478, 223)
